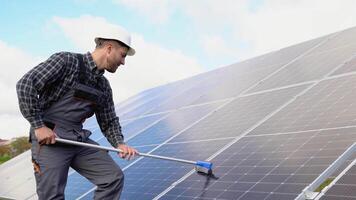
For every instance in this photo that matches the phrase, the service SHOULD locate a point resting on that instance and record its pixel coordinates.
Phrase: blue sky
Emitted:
(174, 39)
(27, 25)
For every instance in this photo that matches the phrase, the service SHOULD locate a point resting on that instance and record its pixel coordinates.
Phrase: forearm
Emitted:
(112, 131)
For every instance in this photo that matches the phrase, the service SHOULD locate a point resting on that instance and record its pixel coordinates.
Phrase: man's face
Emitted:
(116, 55)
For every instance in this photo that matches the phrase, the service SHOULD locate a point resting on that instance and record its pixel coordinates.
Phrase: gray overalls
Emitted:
(52, 162)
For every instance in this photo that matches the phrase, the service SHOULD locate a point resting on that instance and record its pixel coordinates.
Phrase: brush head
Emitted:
(204, 167)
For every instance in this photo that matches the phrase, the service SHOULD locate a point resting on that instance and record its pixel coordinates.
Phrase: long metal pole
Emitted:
(120, 151)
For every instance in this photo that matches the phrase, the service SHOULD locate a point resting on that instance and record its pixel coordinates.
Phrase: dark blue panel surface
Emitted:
(149, 177)
(239, 115)
(230, 81)
(274, 166)
(77, 185)
(136, 126)
(308, 68)
(172, 124)
(162, 94)
(329, 104)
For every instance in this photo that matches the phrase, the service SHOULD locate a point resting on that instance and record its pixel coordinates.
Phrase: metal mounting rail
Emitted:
(308, 192)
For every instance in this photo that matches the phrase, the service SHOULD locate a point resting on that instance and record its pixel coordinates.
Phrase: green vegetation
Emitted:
(324, 184)
(4, 158)
(18, 146)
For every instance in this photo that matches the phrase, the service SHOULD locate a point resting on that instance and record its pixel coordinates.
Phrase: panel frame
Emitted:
(308, 192)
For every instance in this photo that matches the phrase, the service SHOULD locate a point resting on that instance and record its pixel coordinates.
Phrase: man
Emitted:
(56, 97)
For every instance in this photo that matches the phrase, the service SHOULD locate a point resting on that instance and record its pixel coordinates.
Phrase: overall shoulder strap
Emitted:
(82, 70)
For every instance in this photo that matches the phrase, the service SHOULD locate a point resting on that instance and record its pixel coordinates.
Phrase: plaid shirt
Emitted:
(46, 83)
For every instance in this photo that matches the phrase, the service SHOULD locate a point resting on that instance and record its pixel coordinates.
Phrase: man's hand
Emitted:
(45, 135)
(127, 151)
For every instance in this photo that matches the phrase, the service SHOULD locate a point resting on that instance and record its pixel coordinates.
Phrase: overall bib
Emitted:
(52, 162)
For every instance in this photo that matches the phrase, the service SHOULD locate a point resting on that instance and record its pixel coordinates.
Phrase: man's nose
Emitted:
(123, 61)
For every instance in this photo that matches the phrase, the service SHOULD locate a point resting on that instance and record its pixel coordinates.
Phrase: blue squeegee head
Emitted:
(204, 167)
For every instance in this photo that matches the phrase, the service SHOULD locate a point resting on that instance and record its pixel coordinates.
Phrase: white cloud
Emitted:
(215, 45)
(157, 10)
(15, 63)
(151, 66)
(273, 25)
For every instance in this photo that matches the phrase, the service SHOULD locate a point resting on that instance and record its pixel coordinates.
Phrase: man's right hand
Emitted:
(45, 135)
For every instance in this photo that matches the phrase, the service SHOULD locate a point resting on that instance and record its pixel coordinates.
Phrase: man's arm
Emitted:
(109, 122)
(110, 126)
(31, 85)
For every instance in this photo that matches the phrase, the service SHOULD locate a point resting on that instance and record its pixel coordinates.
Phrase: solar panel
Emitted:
(158, 96)
(271, 125)
(309, 68)
(239, 115)
(230, 81)
(172, 124)
(340, 39)
(148, 177)
(267, 166)
(77, 185)
(328, 104)
(349, 66)
(137, 125)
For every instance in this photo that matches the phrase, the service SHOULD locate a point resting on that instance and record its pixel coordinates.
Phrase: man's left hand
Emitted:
(127, 151)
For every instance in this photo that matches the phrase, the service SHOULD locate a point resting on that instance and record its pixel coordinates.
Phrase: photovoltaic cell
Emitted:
(138, 99)
(162, 94)
(230, 81)
(172, 124)
(137, 125)
(329, 104)
(308, 68)
(232, 84)
(349, 66)
(77, 185)
(267, 167)
(149, 177)
(239, 115)
(340, 39)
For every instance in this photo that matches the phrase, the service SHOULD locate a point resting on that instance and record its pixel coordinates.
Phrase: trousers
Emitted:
(53, 162)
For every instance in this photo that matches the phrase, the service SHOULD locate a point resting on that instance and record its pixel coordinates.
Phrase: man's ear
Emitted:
(109, 48)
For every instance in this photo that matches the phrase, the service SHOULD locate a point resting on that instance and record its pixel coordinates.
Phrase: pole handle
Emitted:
(120, 151)
(87, 145)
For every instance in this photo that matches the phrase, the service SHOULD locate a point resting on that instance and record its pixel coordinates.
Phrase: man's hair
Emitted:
(102, 42)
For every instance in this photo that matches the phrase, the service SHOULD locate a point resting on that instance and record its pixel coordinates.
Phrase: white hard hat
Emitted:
(120, 35)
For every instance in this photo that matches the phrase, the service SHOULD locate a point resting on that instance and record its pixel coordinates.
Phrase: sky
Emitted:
(174, 39)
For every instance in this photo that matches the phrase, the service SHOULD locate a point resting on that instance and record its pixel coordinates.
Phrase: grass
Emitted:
(4, 159)
(324, 184)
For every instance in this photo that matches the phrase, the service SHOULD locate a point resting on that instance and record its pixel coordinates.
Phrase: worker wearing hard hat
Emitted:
(56, 97)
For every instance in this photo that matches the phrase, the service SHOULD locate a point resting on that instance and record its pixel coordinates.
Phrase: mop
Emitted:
(202, 167)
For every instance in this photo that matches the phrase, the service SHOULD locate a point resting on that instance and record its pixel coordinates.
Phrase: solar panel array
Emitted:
(270, 125)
